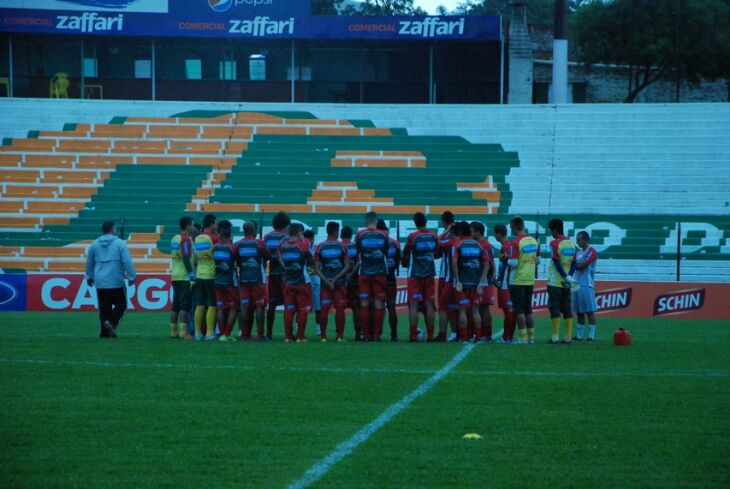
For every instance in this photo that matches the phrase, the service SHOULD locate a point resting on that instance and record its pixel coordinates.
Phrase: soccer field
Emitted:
(147, 411)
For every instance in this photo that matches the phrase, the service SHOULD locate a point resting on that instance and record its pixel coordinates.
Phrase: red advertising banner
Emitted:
(69, 292)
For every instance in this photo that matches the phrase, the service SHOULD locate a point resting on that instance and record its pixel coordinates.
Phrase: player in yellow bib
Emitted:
(523, 260)
(204, 279)
(181, 253)
(560, 276)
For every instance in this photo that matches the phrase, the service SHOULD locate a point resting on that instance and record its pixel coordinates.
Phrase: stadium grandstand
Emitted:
(628, 174)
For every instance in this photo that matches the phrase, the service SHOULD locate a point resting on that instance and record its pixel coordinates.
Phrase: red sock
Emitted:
(414, 332)
(365, 321)
(509, 324)
(288, 322)
(463, 333)
(301, 324)
(340, 321)
(379, 316)
(259, 325)
(442, 337)
(477, 334)
(487, 328)
(324, 319)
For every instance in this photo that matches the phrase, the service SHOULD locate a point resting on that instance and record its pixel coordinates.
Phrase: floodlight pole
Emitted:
(293, 68)
(10, 65)
(153, 77)
(83, 81)
(560, 54)
(501, 61)
(679, 250)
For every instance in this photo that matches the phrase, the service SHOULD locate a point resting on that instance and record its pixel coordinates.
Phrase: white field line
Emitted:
(319, 469)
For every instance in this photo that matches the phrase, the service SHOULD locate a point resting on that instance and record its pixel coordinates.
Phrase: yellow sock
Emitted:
(523, 335)
(530, 333)
(183, 329)
(555, 325)
(210, 321)
(568, 329)
(173, 330)
(199, 313)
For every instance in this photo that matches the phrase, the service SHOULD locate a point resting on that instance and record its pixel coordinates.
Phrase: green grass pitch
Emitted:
(146, 411)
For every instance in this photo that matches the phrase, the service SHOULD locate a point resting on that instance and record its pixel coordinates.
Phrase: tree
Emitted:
(325, 7)
(686, 40)
(538, 11)
(388, 7)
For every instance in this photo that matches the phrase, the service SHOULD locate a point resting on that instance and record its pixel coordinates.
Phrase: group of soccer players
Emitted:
(225, 282)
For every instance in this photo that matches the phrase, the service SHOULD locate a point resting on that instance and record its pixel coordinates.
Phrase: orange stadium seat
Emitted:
(24, 264)
(194, 147)
(84, 145)
(180, 132)
(19, 222)
(37, 192)
(49, 161)
(8, 207)
(48, 252)
(10, 159)
(227, 132)
(69, 177)
(9, 251)
(54, 207)
(45, 145)
(292, 131)
(117, 131)
(77, 192)
(103, 161)
(137, 146)
(66, 266)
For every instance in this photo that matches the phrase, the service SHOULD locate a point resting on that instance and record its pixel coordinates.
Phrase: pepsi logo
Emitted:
(220, 5)
(8, 293)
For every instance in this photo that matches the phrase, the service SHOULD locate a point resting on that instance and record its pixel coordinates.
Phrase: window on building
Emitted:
(227, 70)
(142, 68)
(91, 67)
(193, 69)
(257, 67)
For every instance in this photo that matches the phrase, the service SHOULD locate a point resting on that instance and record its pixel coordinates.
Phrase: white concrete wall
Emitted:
(593, 159)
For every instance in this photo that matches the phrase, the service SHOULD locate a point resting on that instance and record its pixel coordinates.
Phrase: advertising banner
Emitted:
(69, 292)
(275, 19)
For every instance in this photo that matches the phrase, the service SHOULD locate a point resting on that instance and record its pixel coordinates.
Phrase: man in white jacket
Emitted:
(108, 262)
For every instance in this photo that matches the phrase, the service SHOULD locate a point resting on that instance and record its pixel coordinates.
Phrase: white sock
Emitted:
(579, 331)
(592, 331)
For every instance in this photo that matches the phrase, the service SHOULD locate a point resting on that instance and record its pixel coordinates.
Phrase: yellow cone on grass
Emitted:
(472, 436)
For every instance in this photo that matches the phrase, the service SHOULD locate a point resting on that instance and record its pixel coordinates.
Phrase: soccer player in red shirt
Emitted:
(470, 266)
(372, 247)
(489, 294)
(332, 263)
(419, 254)
(504, 301)
(294, 257)
(276, 275)
(226, 281)
(353, 296)
(251, 256)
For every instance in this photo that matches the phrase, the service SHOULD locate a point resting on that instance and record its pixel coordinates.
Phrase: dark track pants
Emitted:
(112, 304)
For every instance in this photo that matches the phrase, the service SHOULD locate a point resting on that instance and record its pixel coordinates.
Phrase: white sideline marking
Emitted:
(342, 450)
(355, 370)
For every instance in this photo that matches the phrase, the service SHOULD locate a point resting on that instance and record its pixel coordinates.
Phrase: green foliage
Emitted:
(385, 8)
(684, 39)
(146, 411)
(538, 11)
(325, 7)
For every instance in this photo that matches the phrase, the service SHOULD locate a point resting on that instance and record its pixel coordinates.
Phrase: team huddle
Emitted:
(223, 283)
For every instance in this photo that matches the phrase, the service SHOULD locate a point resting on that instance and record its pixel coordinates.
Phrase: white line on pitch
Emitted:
(319, 469)
(365, 370)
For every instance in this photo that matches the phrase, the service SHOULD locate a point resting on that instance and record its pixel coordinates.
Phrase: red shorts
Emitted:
(504, 300)
(489, 295)
(298, 297)
(420, 290)
(253, 295)
(276, 290)
(371, 287)
(468, 298)
(227, 297)
(447, 296)
(336, 297)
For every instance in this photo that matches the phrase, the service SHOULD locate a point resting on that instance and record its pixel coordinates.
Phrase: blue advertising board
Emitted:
(275, 19)
(13, 292)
